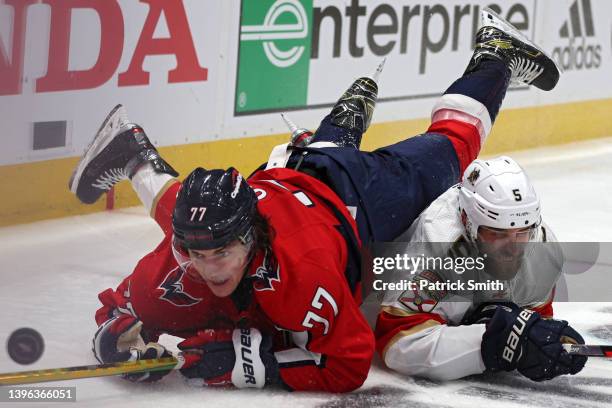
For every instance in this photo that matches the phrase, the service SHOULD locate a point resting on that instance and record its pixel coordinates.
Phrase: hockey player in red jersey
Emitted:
(243, 261)
(448, 334)
(230, 278)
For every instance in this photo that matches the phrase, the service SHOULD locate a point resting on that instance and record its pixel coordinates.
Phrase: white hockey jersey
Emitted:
(420, 332)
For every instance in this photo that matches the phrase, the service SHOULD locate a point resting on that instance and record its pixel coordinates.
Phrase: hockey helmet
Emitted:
(497, 193)
(213, 208)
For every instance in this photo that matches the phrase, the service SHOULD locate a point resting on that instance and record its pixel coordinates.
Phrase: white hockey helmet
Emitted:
(497, 193)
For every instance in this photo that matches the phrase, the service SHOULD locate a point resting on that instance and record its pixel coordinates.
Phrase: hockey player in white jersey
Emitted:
(447, 335)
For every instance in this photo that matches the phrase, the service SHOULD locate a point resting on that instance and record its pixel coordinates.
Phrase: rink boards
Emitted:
(211, 93)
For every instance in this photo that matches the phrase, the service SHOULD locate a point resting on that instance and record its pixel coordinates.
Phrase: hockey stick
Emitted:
(90, 371)
(175, 363)
(590, 350)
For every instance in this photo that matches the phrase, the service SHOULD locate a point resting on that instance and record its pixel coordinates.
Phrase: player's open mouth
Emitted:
(217, 282)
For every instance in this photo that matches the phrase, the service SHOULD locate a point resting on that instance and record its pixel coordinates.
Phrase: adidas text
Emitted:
(581, 56)
(577, 30)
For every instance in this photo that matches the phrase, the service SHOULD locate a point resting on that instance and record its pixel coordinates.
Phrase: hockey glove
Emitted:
(506, 336)
(118, 339)
(485, 311)
(241, 357)
(520, 339)
(544, 357)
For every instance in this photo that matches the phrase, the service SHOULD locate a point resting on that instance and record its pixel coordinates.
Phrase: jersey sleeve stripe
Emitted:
(396, 311)
(297, 357)
(415, 329)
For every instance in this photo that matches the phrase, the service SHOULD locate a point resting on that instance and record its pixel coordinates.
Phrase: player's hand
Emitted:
(544, 356)
(118, 339)
(485, 311)
(239, 357)
(520, 339)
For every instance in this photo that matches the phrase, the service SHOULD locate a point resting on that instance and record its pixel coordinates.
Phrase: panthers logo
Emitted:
(473, 176)
(422, 300)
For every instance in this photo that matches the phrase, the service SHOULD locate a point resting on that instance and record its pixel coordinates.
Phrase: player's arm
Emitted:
(114, 302)
(545, 309)
(334, 345)
(422, 344)
(121, 335)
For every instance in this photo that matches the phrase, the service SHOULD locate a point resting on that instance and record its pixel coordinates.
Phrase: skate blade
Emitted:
(115, 120)
(489, 18)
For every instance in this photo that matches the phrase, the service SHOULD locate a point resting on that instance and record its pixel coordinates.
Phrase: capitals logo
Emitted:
(266, 273)
(173, 290)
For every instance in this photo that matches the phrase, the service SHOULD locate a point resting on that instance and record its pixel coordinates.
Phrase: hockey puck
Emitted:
(25, 346)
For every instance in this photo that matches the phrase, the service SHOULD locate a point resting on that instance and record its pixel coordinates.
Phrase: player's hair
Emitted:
(263, 232)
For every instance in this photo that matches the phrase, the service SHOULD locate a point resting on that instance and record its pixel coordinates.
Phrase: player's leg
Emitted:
(502, 55)
(343, 127)
(392, 185)
(121, 150)
(461, 120)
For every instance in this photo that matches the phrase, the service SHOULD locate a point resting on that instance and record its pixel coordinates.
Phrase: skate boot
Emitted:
(117, 151)
(351, 115)
(527, 62)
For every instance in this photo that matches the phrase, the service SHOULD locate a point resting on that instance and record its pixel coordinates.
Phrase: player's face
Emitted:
(504, 236)
(504, 249)
(221, 268)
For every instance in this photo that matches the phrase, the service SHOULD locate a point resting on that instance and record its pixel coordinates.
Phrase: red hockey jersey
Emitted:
(302, 288)
(299, 287)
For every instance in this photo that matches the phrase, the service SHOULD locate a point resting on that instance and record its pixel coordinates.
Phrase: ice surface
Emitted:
(52, 272)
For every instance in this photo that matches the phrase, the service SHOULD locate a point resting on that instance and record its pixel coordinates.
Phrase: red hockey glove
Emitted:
(241, 357)
(118, 339)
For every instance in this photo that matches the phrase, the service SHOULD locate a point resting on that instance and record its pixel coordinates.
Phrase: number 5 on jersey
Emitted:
(320, 298)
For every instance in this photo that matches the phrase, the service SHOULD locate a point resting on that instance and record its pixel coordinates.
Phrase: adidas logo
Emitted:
(579, 53)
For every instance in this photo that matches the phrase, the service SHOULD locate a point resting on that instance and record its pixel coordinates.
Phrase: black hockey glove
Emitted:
(118, 339)
(239, 357)
(485, 311)
(520, 339)
(545, 357)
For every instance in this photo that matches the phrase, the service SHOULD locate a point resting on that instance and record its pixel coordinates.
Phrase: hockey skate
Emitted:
(352, 113)
(300, 137)
(355, 107)
(527, 62)
(117, 151)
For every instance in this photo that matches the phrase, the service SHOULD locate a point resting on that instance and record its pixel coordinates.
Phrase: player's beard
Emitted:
(503, 262)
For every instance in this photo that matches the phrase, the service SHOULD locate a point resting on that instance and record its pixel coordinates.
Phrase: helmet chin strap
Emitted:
(468, 228)
(248, 240)
(242, 295)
